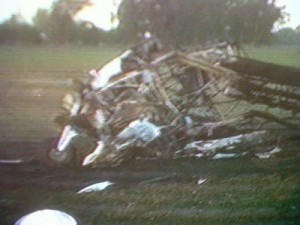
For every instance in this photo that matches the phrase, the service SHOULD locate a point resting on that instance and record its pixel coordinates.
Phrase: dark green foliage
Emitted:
(252, 21)
(55, 25)
(14, 30)
(287, 36)
(174, 21)
(58, 26)
(194, 21)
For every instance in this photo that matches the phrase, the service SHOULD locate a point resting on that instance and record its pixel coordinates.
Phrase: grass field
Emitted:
(33, 81)
(247, 191)
(282, 55)
(55, 59)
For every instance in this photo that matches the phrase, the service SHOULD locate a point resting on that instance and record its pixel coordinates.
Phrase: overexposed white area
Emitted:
(47, 217)
(108, 71)
(292, 7)
(100, 13)
(27, 8)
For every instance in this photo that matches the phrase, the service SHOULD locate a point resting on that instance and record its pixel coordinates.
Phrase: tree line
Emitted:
(287, 36)
(55, 25)
(174, 21)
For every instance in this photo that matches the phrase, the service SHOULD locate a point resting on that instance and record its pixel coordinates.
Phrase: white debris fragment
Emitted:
(66, 136)
(71, 103)
(108, 71)
(188, 122)
(99, 119)
(201, 181)
(269, 154)
(199, 155)
(11, 161)
(47, 217)
(148, 76)
(95, 187)
(89, 159)
(75, 108)
(140, 130)
(225, 156)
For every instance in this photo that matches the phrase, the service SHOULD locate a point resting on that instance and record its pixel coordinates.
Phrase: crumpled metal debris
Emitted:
(212, 147)
(126, 103)
(139, 130)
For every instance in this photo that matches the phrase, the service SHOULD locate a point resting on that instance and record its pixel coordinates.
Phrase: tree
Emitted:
(57, 23)
(252, 20)
(287, 36)
(298, 29)
(15, 30)
(194, 21)
(42, 22)
(87, 34)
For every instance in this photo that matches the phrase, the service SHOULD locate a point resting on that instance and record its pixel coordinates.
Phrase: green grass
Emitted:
(238, 195)
(282, 55)
(247, 199)
(33, 81)
(53, 59)
(27, 70)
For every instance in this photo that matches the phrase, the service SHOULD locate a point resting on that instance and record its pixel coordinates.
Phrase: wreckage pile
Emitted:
(157, 102)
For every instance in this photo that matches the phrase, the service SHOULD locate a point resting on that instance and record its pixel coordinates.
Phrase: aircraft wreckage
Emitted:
(165, 103)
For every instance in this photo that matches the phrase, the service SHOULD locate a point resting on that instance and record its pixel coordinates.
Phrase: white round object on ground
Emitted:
(47, 217)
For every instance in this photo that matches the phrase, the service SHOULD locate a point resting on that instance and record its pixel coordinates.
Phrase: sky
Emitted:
(100, 14)
(293, 8)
